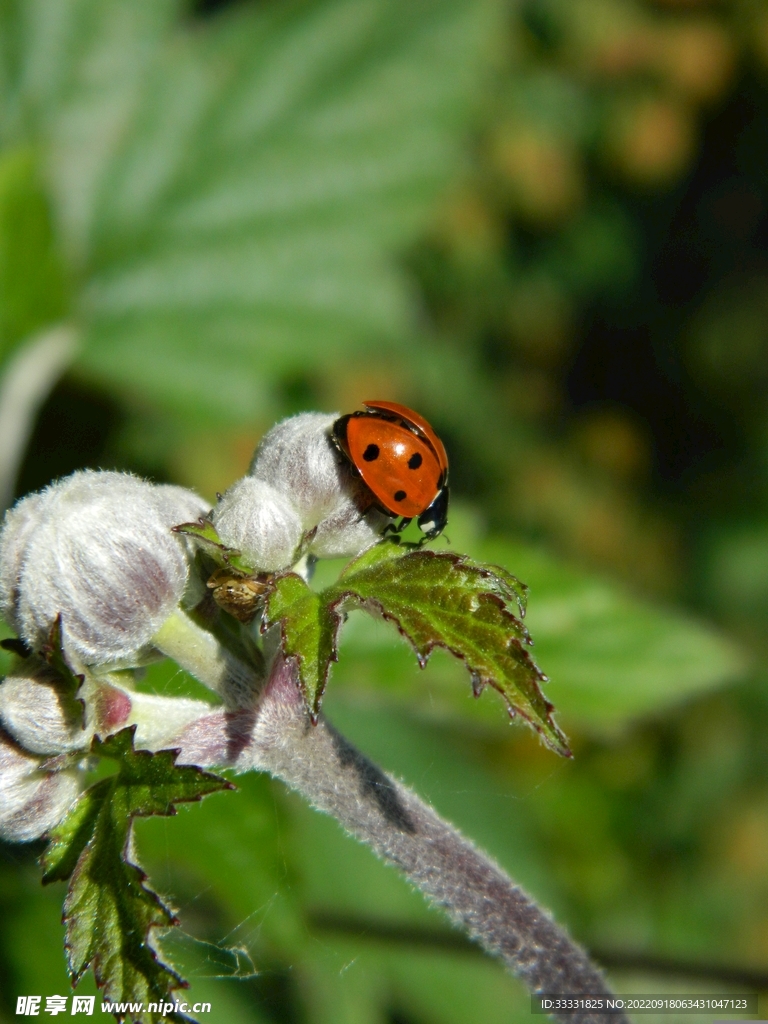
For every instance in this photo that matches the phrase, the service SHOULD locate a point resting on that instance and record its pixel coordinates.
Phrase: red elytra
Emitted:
(400, 459)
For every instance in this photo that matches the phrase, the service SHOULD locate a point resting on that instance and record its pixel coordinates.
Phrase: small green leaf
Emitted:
(445, 600)
(310, 627)
(205, 533)
(498, 579)
(436, 600)
(109, 910)
(149, 783)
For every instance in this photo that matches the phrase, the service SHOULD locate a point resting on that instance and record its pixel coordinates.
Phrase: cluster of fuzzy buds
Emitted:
(94, 561)
(300, 497)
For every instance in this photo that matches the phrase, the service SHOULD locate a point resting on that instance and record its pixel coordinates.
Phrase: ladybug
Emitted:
(401, 460)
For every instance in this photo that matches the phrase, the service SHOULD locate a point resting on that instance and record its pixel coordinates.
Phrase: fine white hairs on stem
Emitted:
(97, 549)
(158, 719)
(298, 458)
(204, 657)
(260, 522)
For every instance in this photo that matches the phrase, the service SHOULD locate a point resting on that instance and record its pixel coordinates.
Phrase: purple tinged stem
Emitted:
(318, 762)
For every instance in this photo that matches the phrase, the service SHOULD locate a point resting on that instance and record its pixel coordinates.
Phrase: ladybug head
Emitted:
(433, 519)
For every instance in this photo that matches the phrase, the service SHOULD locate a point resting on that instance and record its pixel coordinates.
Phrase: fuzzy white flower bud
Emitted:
(31, 800)
(20, 522)
(299, 459)
(101, 554)
(174, 504)
(257, 520)
(36, 712)
(346, 533)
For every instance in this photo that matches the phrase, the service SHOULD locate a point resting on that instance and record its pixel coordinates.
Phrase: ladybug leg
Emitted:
(395, 528)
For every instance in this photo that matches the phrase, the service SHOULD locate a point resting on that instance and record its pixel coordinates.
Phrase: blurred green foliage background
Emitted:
(544, 224)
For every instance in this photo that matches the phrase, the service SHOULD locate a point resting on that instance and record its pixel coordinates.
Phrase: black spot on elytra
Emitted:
(415, 461)
(371, 453)
(400, 495)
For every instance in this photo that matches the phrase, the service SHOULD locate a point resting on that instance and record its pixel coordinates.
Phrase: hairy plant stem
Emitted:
(276, 736)
(200, 652)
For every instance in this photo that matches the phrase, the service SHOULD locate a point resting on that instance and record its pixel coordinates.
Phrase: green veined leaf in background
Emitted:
(33, 289)
(73, 74)
(613, 657)
(235, 193)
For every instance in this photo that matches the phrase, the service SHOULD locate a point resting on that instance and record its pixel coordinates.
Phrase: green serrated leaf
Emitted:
(310, 627)
(152, 783)
(508, 587)
(205, 533)
(70, 837)
(499, 580)
(612, 657)
(109, 910)
(445, 600)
